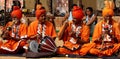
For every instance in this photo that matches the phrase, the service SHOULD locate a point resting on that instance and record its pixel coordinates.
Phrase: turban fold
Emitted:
(108, 9)
(16, 12)
(38, 13)
(77, 13)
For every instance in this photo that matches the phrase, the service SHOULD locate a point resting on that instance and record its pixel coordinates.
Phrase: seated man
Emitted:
(106, 35)
(40, 28)
(15, 33)
(74, 34)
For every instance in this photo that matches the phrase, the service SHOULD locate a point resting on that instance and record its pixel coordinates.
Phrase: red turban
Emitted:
(15, 7)
(77, 13)
(16, 12)
(38, 13)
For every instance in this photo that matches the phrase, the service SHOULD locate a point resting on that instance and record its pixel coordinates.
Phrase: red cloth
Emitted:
(77, 13)
(40, 12)
(16, 12)
(15, 7)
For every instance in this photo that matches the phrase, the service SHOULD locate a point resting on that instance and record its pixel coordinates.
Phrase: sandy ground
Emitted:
(17, 57)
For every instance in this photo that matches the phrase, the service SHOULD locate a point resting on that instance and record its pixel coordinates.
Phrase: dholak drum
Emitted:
(47, 44)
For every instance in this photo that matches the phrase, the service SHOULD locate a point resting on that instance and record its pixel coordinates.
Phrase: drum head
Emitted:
(33, 46)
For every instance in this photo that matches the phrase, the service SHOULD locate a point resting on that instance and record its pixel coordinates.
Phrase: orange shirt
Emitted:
(11, 44)
(22, 32)
(84, 33)
(98, 30)
(33, 28)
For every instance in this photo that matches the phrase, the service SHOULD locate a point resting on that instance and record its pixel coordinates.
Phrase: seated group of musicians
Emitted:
(75, 34)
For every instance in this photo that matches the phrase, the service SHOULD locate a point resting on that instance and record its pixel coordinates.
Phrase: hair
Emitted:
(90, 9)
(42, 7)
(73, 5)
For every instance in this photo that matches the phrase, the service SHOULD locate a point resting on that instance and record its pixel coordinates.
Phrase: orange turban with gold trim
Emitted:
(108, 9)
(77, 13)
(16, 12)
(38, 13)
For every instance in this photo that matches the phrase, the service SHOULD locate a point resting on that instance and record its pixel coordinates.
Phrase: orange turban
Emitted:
(38, 13)
(108, 9)
(77, 13)
(16, 12)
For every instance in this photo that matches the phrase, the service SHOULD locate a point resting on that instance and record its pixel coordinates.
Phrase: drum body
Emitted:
(47, 44)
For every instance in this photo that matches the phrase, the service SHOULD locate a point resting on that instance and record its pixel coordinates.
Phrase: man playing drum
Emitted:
(39, 29)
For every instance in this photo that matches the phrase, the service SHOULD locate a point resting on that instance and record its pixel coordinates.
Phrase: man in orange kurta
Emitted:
(75, 34)
(15, 33)
(40, 27)
(105, 42)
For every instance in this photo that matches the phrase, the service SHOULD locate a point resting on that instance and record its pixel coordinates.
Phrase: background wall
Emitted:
(31, 3)
(87, 3)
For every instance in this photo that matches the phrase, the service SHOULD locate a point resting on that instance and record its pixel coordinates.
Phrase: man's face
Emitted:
(15, 20)
(88, 12)
(76, 20)
(107, 17)
(42, 17)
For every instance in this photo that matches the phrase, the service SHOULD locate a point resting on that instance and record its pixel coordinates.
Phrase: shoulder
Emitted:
(23, 25)
(48, 23)
(34, 22)
(99, 23)
(115, 23)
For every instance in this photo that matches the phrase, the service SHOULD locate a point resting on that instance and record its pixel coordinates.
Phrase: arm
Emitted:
(92, 20)
(62, 30)
(85, 34)
(97, 33)
(53, 32)
(117, 32)
(65, 17)
(31, 31)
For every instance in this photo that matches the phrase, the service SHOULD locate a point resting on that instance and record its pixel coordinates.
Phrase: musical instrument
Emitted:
(107, 40)
(74, 41)
(9, 28)
(47, 44)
